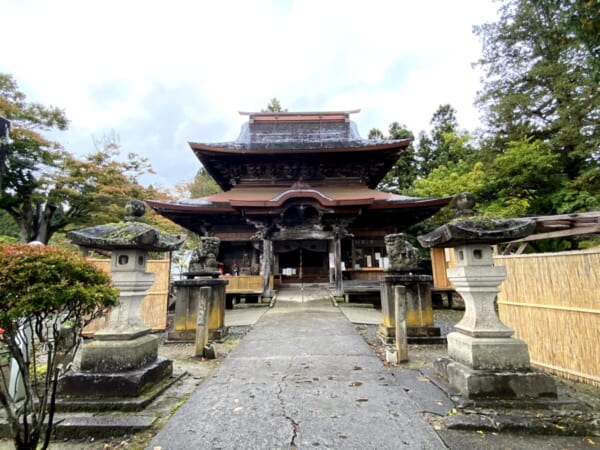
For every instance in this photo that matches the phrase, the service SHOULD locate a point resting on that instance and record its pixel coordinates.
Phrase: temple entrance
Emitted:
(302, 261)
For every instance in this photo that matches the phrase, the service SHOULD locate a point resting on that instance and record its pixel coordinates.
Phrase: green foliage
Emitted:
(403, 174)
(376, 134)
(42, 291)
(39, 281)
(445, 144)
(541, 104)
(539, 83)
(452, 179)
(274, 106)
(7, 225)
(201, 186)
(522, 179)
(46, 189)
(582, 18)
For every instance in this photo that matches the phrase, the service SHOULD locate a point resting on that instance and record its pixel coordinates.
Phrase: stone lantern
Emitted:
(122, 359)
(484, 359)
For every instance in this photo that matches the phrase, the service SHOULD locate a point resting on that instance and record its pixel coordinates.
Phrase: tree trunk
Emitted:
(35, 222)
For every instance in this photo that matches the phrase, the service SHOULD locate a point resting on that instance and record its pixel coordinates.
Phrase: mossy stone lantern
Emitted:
(125, 344)
(484, 359)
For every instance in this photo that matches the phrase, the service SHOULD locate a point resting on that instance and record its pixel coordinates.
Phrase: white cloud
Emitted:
(164, 73)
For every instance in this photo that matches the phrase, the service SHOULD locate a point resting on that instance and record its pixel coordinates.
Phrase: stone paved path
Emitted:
(301, 378)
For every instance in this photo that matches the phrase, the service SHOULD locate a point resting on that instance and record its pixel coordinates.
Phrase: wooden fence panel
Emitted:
(246, 284)
(154, 305)
(441, 259)
(552, 301)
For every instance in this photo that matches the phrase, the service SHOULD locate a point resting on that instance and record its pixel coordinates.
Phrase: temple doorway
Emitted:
(302, 261)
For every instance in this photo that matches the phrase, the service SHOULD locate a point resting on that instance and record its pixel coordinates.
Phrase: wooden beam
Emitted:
(575, 231)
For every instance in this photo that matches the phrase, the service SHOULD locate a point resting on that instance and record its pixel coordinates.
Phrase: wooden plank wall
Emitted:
(552, 301)
(441, 259)
(154, 305)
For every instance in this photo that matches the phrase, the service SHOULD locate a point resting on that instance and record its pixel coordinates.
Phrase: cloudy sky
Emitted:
(160, 74)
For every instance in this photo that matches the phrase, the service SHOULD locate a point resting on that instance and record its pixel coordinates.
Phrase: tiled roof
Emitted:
(296, 131)
(329, 196)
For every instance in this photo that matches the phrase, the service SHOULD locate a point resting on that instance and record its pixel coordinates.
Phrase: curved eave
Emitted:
(233, 205)
(189, 208)
(235, 148)
(224, 163)
(411, 203)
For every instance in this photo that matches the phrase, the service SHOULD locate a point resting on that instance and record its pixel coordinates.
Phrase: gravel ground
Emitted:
(420, 355)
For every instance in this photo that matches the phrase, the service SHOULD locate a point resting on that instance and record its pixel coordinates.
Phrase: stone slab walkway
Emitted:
(301, 378)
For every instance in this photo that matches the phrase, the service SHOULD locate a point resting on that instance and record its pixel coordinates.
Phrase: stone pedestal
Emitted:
(485, 361)
(419, 309)
(186, 309)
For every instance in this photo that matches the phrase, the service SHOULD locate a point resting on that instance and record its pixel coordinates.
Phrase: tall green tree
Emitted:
(274, 106)
(201, 186)
(540, 87)
(582, 18)
(445, 143)
(403, 174)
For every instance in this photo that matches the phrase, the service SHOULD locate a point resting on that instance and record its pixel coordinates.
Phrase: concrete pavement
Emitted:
(302, 378)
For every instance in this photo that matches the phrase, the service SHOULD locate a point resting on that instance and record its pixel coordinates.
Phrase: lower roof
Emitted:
(234, 206)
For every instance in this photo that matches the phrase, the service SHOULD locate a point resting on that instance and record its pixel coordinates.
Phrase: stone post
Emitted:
(337, 267)
(401, 338)
(267, 265)
(202, 323)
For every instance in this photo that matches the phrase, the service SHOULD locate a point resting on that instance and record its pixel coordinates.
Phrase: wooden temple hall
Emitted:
(299, 200)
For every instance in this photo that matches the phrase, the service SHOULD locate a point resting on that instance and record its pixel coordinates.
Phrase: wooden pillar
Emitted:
(267, 266)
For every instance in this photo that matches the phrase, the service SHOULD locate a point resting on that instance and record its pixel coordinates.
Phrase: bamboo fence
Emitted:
(552, 301)
(154, 305)
(246, 284)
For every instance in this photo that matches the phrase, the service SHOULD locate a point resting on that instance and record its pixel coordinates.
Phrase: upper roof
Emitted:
(296, 131)
(310, 141)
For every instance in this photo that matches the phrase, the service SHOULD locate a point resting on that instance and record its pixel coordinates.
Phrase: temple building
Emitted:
(299, 199)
